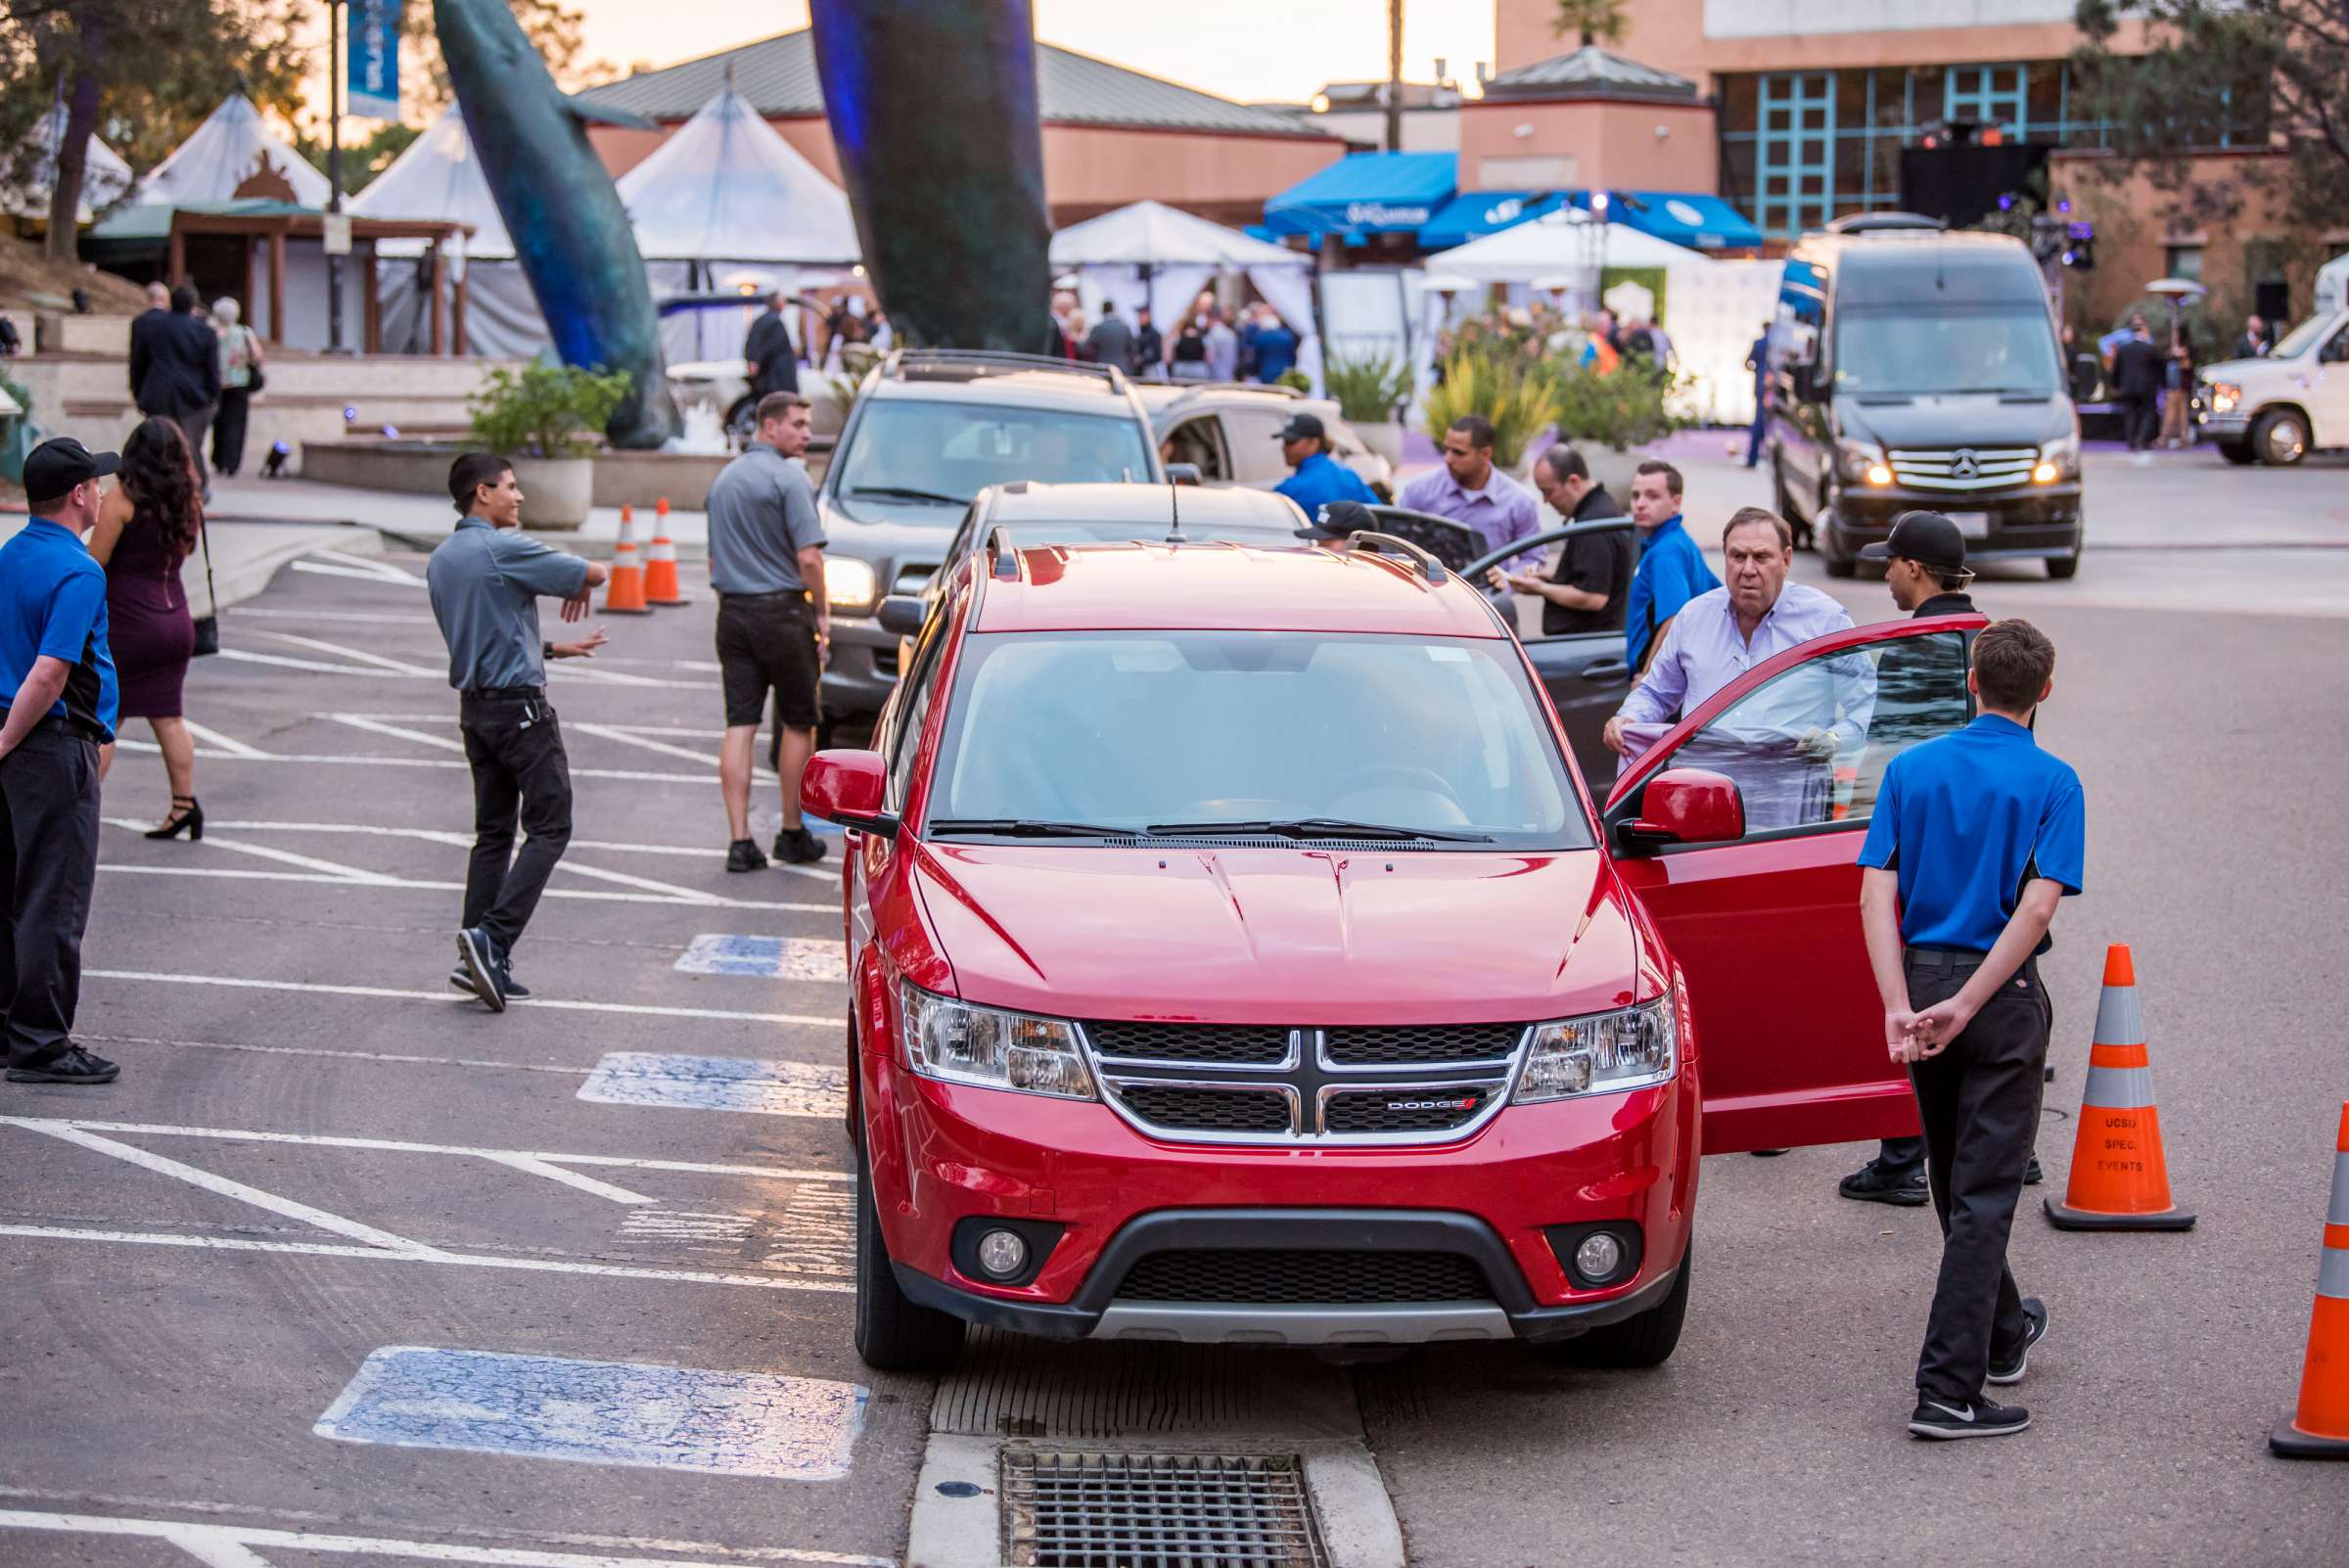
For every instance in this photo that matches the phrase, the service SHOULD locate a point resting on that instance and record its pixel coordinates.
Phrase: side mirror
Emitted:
(846, 787)
(900, 614)
(1686, 806)
(1184, 474)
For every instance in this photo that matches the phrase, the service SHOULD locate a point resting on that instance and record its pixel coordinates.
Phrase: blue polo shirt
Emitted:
(1966, 820)
(1321, 480)
(53, 606)
(1671, 571)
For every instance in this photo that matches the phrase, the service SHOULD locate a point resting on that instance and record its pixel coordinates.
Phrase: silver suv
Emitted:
(930, 430)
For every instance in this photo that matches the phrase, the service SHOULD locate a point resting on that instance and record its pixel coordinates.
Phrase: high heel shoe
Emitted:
(190, 820)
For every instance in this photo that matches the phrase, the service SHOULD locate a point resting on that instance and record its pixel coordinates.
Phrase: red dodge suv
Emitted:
(1236, 955)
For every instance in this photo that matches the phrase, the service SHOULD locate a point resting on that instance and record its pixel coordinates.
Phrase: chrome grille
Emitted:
(1964, 468)
(1260, 1083)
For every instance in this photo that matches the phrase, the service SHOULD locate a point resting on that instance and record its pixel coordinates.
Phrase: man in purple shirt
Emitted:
(1779, 743)
(1469, 490)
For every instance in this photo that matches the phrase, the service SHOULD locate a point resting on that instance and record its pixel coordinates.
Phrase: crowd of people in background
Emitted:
(197, 369)
(1206, 344)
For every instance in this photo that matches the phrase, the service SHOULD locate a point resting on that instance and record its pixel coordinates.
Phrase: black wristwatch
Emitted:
(546, 650)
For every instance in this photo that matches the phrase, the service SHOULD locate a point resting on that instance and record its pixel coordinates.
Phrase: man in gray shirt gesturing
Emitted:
(767, 562)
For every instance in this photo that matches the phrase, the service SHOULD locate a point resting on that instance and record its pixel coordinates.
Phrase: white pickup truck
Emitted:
(2281, 407)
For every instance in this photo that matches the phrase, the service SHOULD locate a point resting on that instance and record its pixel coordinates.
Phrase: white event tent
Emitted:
(1159, 255)
(724, 199)
(33, 172)
(1563, 242)
(440, 177)
(231, 148)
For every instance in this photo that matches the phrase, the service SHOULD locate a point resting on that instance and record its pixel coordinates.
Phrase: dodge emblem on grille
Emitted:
(1467, 1103)
(1964, 464)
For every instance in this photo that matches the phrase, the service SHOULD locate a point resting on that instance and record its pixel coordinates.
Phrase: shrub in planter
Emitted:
(1368, 390)
(1631, 406)
(1510, 391)
(549, 411)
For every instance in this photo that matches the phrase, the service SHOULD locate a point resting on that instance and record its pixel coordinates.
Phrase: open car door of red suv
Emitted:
(1740, 829)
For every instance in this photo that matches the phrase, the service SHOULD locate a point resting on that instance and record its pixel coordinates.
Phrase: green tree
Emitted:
(554, 30)
(144, 72)
(1593, 20)
(2224, 74)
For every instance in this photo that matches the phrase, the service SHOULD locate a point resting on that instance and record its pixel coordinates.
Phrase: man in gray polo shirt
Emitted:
(766, 551)
(486, 580)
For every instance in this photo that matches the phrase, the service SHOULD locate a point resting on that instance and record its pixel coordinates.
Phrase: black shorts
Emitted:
(768, 640)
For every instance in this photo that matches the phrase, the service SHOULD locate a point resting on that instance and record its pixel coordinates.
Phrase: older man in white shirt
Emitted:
(1780, 744)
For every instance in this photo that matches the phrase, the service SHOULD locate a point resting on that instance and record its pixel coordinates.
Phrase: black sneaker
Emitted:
(73, 1065)
(477, 951)
(743, 855)
(2011, 1369)
(460, 980)
(797, 847)
(1944, 1420)
(2033, 1176)
(1902, 1186)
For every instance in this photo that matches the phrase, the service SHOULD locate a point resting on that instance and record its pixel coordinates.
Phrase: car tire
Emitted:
(2281, 437)
(2235, 452)
(1781, 501)
(2063, 568)
(895, 1333)
(1644, 1340)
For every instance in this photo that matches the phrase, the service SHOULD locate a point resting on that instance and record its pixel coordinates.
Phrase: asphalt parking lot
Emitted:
(347, 1268)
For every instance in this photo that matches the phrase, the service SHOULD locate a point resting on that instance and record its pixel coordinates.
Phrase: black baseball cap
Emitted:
(60, 463)
(1928, 538)
(1299, 427)
(1337, 519)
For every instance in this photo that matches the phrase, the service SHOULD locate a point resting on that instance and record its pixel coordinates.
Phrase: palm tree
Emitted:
(1595, 20)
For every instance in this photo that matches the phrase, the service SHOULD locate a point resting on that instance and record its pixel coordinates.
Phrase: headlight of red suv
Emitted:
(961, 1044)
(1601, 1054)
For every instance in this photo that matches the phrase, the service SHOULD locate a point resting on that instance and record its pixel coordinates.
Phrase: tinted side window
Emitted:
(1809, 749)
(912, 709)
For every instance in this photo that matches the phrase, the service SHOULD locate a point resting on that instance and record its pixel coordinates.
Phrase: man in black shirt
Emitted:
(1587, 591)
(1149, 347)
(2137, 382)
(773, 361)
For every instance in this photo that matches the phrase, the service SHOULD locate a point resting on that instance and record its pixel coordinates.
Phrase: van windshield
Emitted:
(1131, 731)
(2296, 342)
(1886, 352)
(947, 452)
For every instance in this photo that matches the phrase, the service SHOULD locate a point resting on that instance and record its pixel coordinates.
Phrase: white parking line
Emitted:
(339, 564)
(395, 731)
(212, 737)
(345, 651)
(179, 1533)
(246, 656)
(394, 993)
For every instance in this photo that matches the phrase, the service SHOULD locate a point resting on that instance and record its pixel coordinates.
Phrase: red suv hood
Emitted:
(1279, 934)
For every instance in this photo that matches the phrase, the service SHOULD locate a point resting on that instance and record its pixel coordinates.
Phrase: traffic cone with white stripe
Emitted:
(624, 596)
(2120, 1180)
(2320, 1428)
(660, 563)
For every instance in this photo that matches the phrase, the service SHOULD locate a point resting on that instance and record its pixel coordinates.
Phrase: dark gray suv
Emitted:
(930, 430)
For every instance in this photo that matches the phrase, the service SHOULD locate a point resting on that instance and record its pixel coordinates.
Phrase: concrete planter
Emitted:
(1384, 437)
(557, 492)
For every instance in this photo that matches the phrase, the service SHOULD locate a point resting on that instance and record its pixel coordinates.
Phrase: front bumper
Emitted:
(861, 670)
(2045, 520)
(942, 1153)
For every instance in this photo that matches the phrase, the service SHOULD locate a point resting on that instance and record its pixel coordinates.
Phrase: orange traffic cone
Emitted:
(660, 563)
(2320, 1428)
(2120, 1180)
(624, 596)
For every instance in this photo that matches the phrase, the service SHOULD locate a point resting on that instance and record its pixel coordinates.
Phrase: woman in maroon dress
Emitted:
(146, 526)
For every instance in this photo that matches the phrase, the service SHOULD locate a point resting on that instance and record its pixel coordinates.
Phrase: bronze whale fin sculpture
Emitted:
(569, 230)
(934, 114)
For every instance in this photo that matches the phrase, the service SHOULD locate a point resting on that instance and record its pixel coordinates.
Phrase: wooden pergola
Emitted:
(274, 228)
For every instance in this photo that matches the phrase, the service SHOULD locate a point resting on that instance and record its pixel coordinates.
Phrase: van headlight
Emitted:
(1864, 463)
(849, 583)
(2225, 396)
(2058, 459)
(958, 1042)
(1600, 1055)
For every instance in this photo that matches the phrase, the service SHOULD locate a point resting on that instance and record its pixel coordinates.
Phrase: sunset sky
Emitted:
(1244, 49)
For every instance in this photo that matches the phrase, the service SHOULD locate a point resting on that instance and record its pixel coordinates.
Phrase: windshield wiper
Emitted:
(1314, 827)
(902, 492)
(1025, 827)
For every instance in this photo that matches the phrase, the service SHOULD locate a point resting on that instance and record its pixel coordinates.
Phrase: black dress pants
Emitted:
(519, 769)
(48, 865)
(1979, 1103)
(2141, 421)
(228, 431)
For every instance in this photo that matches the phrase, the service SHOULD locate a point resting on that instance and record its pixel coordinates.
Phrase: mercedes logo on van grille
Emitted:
(1964, 464)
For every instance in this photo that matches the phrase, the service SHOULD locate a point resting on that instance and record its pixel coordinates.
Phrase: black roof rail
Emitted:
(1883, 222)
(1000, 361)
(1004, 554)
(1432, 568)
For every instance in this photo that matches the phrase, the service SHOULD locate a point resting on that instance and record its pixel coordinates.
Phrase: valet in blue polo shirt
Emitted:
(1320, 478)
(57, 683)
(1974, 838)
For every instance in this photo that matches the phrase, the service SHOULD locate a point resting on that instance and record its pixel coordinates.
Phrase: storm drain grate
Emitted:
(1157, 1510)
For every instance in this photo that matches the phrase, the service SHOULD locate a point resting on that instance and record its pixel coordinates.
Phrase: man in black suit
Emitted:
(175, 371)
(2137, 382)
(2253, 344)
(1111, 341)
(1149, 347)
(774, 363)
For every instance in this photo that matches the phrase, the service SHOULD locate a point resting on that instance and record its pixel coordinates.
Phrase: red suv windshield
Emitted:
(1126, 730)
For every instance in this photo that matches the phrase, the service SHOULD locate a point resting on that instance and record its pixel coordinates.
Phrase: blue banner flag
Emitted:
(373, 73)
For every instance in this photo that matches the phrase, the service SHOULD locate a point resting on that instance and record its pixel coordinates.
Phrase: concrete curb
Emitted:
(248, 574)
